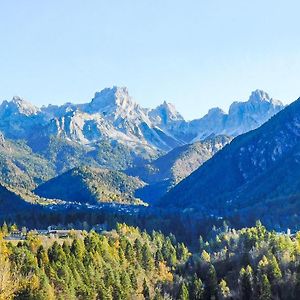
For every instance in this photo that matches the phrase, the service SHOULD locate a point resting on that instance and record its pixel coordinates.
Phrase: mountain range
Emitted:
(114, 133)
(256, 175)
(113, 114)
(113, 118)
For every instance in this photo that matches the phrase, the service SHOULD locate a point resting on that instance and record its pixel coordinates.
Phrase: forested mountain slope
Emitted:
(257, 172)
(169, 169)
(91, 185)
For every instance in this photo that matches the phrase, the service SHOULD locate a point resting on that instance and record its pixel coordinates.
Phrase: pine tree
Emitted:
(4, 229)
(109, 277)
(66, 249)
(77, 249)
(146, 290)
(183, 292)
(133, 281)
(182, 252)
(246, 283)
(125, 283)
(275, 272)
(138, 249)
(265, 288)
(56, 253)
(158, 295)
(129, 253)
(196, 289)
(42, 257)
(147, 259)
(159, 256)
(223, 290)
(201, 244)
(205, 257)
(121, 256)
(45, 291)
(211, 283)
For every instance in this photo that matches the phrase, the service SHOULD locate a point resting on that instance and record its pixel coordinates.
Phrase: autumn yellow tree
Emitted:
(8, 282)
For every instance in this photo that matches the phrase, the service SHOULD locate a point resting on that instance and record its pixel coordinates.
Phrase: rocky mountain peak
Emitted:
(171, 110)
(258, 96)
(19, 105)
(164, 114)
(215, 111)
(113, 114)
(111, 99)
(259, 103)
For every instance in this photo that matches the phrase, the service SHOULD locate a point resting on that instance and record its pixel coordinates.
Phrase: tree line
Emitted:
(127, 263)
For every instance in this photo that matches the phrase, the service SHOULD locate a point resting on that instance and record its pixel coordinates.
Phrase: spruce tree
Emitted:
(211, 283)
(196, 289)
(275, 272)
(77, 249)
(4, 229)
(147, 259)
(158, 295)
(223, 290)
(138, 250)
(265, 288)
(246, 283)
(146, 290)
(183, 293)
(129, 253)
(133, 281)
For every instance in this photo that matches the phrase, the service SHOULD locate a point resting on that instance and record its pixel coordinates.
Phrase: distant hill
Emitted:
(91, 185)
(169, 169)
(256, 176)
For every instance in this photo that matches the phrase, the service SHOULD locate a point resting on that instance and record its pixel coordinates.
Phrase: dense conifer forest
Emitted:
(127, 263)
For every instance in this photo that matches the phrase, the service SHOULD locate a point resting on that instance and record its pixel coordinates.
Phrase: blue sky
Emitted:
(195, 54)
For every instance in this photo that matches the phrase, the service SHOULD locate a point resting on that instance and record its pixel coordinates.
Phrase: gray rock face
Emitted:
(165, 114)
(19, 118)
(246, 116)
(113, 115)
(241, 118)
